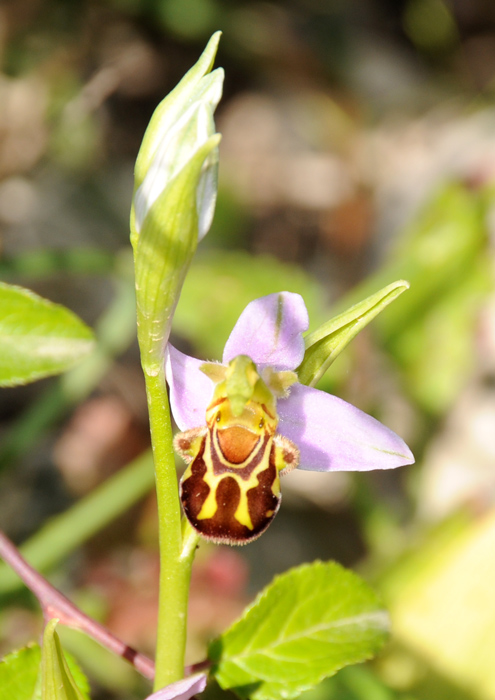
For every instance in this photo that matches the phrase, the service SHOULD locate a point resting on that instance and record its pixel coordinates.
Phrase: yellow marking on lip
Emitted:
(242, 512)
(210, 505)
(242, 445)
(213, 439)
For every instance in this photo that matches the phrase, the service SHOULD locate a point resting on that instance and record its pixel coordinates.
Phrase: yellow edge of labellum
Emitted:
(230, 491)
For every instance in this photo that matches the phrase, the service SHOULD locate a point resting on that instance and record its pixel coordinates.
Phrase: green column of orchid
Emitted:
(174, 200)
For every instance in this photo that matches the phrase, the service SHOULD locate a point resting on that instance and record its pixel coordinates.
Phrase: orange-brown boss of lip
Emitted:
(230, 491)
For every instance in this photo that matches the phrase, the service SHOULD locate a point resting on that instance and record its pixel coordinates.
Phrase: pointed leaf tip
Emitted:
(57, 681)
(306, 625)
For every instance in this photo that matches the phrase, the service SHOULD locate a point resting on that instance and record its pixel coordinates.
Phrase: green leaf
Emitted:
(19, 673)
(304, 627)
(37, 338)
(325, 344)
(57, 680)
(108, 670)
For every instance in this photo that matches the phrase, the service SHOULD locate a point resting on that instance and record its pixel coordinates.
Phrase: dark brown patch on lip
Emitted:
(194, 490)
(236, 443)
(223, 527)
(262, 502)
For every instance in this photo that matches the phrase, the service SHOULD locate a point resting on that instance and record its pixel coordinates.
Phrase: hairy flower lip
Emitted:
(331, 434)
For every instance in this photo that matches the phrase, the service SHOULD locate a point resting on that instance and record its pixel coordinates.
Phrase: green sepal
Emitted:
(37, 337)
(164, 250)
(325, 344)
(305, 626)
(57, 681)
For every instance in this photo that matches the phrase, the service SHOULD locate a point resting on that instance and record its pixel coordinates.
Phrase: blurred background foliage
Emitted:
(358, 148)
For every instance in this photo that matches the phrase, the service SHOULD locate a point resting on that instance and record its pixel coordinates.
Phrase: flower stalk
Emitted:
(175, 568)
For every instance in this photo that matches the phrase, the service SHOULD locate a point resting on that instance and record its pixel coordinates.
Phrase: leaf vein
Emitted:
(379, 618)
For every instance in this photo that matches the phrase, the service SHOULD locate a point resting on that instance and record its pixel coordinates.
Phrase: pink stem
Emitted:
(204, 665)
(55, 604)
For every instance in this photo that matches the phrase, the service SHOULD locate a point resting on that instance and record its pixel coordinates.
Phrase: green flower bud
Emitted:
(174, 199)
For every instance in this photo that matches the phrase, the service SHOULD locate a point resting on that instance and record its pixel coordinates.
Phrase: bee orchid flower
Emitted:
(261, 422)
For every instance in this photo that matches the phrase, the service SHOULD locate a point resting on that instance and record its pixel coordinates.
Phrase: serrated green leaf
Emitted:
(19, 673)
(57, 680)
(37, 338)
(304, 627)
(325, 344)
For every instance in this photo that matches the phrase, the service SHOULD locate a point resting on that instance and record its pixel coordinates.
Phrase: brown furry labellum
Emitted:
(230, 491)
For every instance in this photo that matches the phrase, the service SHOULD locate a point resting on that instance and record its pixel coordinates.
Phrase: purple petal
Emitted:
(190, 389)
(269, 331)
(181, 690)
(332, 435)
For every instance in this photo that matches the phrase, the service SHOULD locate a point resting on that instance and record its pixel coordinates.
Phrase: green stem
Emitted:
(175, 568)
